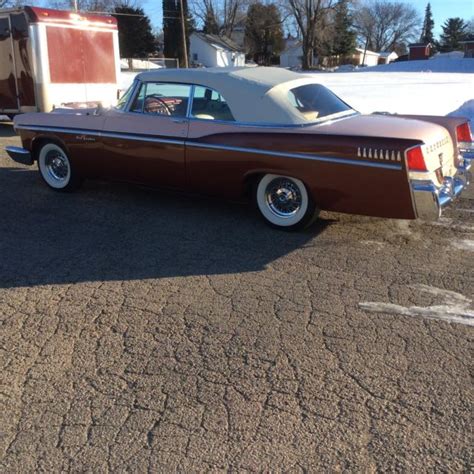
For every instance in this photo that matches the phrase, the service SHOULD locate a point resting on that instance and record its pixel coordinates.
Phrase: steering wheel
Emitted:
(165, 110)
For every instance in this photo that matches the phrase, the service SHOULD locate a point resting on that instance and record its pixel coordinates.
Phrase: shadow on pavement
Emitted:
(118, 232)
(6, 130)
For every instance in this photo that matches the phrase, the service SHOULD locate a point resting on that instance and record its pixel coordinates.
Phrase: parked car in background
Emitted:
(51, 58)
(271, 134)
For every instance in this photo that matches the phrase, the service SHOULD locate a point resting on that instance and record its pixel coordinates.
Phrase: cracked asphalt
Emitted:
(150, 331)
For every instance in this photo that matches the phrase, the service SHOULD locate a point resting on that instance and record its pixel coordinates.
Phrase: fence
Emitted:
(146, 64)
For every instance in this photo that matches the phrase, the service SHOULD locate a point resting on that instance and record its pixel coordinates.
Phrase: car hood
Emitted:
(386, 126)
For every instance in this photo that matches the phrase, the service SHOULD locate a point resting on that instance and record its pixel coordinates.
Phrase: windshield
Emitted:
(122, 102)
(314, 101)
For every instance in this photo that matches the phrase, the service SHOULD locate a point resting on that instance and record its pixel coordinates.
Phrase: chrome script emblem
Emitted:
(85, 138)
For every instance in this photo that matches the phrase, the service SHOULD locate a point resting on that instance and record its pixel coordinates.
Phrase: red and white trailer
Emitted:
(52, 58)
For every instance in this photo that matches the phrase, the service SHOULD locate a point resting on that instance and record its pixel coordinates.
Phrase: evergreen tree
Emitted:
(454, 31)
(344, 41)
(428, 25)
(263, 32)
(136, 37)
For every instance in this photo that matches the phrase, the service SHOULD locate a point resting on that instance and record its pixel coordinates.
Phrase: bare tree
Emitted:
(93, 5)
(222, 15)
(385, 25)
(11, 3)
(311, 17)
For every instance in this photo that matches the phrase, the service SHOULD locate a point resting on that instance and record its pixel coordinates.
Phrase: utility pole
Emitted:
(183, 31)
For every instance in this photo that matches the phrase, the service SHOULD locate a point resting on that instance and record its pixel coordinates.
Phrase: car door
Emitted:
(145, 144)
(210, 167)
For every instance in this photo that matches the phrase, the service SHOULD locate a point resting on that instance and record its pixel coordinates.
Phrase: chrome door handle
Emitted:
(179, 120)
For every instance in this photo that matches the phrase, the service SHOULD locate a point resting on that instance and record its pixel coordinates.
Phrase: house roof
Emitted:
(419, 45)
(254, 94)
(219, 42)
(370, 53)
(386, 54)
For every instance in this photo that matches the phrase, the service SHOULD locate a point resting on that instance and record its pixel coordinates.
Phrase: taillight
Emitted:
(416, 160)
(463, 133)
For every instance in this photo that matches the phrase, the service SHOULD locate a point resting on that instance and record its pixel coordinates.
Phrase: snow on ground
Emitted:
(466, 110)
(139, 64)
(401, 92)
(449, 62)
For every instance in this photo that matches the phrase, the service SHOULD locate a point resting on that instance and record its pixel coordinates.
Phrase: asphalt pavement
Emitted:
(145, 330)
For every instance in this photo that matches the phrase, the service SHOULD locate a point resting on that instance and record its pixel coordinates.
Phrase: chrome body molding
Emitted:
(381, 154)
(20, 155)
(430, 198)
(466, 147)
(210, 146)
(81, 134)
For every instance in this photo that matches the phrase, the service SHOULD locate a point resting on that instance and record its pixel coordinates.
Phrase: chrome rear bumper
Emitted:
(430, 197)
(20, 155)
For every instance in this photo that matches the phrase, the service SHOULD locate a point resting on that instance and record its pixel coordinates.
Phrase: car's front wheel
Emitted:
(284, 202)
(56, 168)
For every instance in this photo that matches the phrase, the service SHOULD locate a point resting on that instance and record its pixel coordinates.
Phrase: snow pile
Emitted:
(450, 55)
(450, 62)
(466, 110)
(138, 65)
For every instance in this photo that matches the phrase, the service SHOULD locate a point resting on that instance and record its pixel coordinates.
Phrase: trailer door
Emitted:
(8, 89)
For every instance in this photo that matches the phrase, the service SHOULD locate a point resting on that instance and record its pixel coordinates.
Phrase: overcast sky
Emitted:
(442, 9)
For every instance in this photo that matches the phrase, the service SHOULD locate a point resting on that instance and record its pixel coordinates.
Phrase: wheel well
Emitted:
(250, 182)
(40, 141)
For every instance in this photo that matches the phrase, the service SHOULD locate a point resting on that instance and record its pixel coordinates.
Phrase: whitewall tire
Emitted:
(56, 169)
(284, 202)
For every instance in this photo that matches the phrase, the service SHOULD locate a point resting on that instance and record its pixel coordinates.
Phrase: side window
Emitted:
(208, 104)
(159, 98)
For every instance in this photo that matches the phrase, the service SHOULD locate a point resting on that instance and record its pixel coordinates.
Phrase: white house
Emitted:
(387, 57)
(214, 51)
(292, 55)
(365, 57)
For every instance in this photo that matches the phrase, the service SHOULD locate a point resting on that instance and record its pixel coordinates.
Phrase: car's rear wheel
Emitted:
(284, 202)
(56, 168)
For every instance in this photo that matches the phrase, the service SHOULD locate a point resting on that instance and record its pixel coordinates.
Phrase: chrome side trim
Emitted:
(304, 156)
(210, 146)
(79, 131)
(41, 128)
(140, 138)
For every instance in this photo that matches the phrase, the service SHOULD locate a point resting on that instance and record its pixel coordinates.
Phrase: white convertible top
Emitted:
(254, 94)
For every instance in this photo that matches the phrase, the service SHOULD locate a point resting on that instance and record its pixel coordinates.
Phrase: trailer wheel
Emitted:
(56, 168)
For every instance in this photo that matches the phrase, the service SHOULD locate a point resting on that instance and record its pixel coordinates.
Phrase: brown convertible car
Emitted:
(275, 135)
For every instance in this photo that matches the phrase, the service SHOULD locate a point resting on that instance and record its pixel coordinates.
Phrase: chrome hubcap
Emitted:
(57, 166)
(283, 197)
